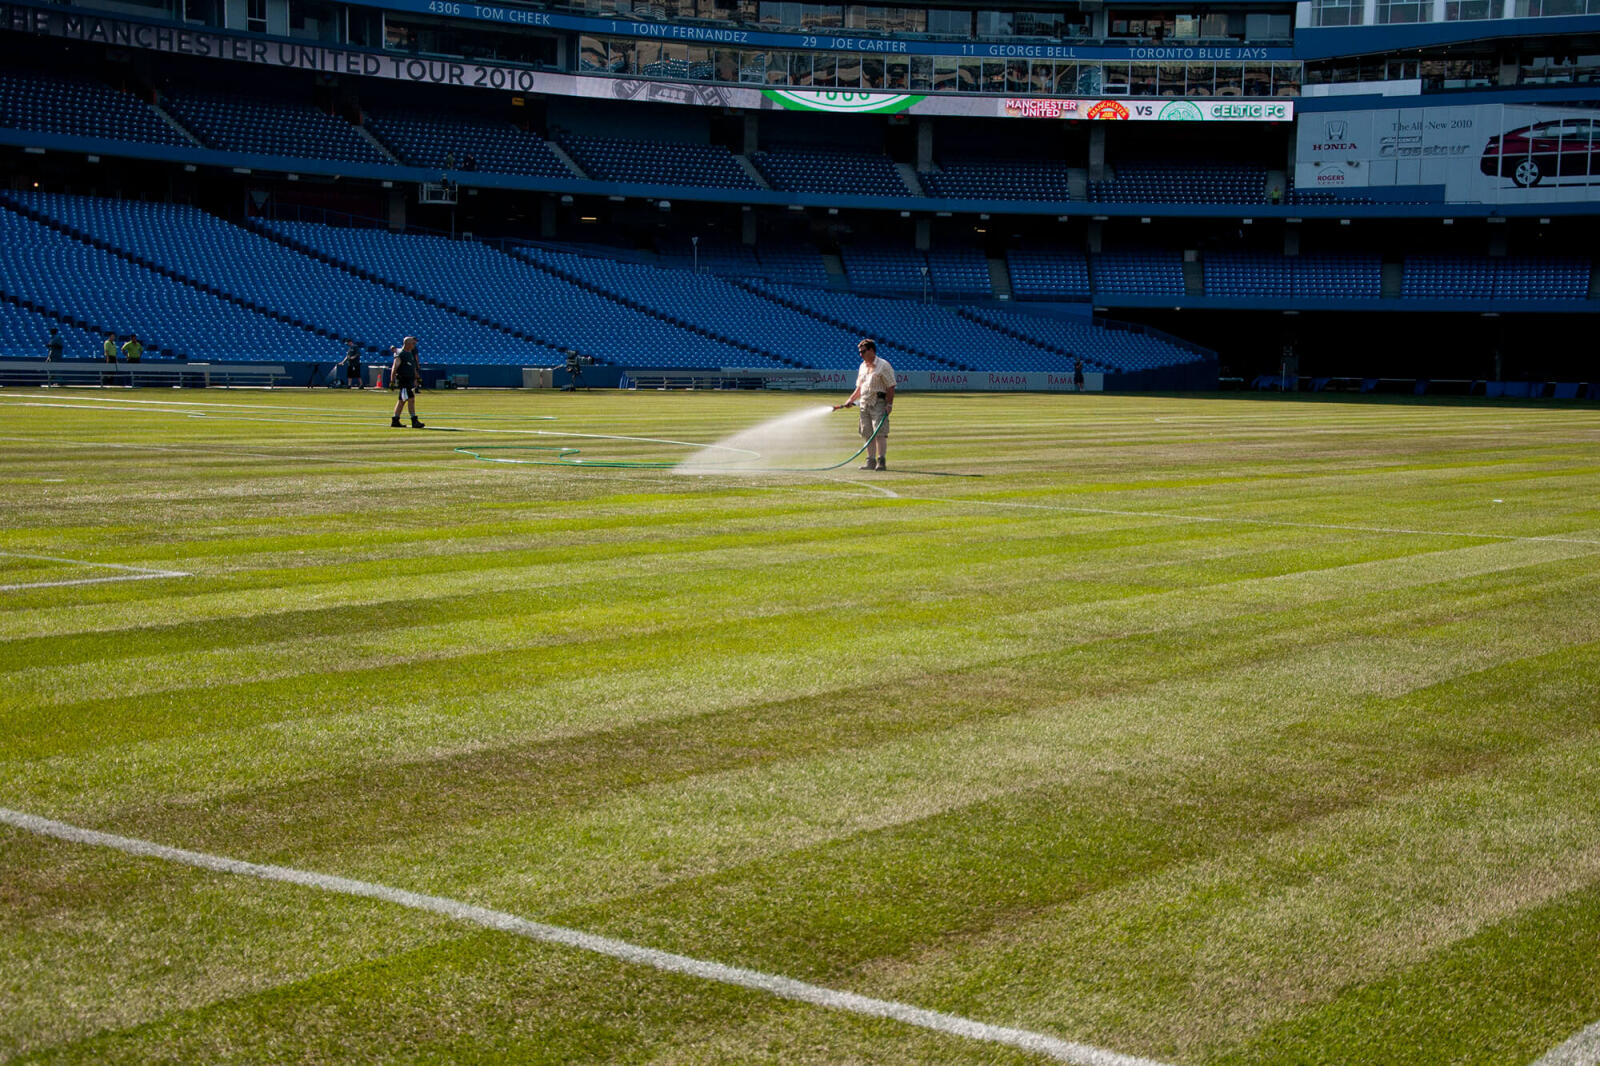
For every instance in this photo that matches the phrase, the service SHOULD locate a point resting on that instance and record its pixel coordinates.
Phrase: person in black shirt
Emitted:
(52, 347)
(405, 375)
(352, 367)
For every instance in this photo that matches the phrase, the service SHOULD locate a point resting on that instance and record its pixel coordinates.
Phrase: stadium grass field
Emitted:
(1204, 730)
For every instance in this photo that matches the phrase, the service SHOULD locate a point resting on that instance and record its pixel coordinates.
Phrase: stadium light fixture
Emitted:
(33, 151)
(1494, 220)
(621, 199)
(1063, 218)
(1247, 222)
(1344, 222)
(566, 201)
(833, 210)
(588, 218)
(942, 214)
(1145, 219)
(388, 185)
(241, 170)
(292, 177)
(1544, 222)
(91, 159)
(1448, 221)
(1102, 218)
(983, 218)
(905, 214)
(189, 168)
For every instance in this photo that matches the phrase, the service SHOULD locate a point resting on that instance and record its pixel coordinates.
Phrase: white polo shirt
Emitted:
(879, 378)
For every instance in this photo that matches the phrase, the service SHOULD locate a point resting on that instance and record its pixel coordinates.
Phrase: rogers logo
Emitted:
(1331, 177)
(1108, 109)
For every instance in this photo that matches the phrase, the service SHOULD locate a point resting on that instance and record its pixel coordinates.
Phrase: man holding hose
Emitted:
(875, 392)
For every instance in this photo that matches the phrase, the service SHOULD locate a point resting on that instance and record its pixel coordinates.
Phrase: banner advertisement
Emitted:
(326, 59)
(944, 381)
(1479, 153)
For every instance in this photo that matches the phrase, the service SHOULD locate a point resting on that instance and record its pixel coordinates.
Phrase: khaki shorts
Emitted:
(872, 416)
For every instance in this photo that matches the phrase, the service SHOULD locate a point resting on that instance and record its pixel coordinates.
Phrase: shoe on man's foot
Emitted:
(415, 424)
(395, 422)
(880, 465)
(870, 465)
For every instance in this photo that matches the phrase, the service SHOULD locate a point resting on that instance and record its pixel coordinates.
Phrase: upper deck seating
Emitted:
(444, 140)
(80, 107)
(656, 162)
(1006, 179)
(820, 171)
(268, 125)
(1048, 273)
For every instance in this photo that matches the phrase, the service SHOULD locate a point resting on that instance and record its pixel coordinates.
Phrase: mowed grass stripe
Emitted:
(577, 773)
(1023, 573)
(909, 863)
(1517, 987)
(1187, 963)
(210, 702)
(556, 697)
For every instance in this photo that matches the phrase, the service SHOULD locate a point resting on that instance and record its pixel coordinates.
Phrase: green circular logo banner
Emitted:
(841, 102)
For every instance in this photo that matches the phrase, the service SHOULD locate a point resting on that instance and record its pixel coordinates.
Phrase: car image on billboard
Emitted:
(1561, 150)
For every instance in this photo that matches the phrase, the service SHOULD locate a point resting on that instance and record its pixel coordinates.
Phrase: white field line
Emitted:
(135, 573)
(1234, 520)
(773, 984)
(1581, 1050)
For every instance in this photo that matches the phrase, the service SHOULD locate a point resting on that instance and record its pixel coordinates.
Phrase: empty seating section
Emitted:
(656, 162)
(446, 138)
(1100, 346)
(79, 107)
(1183, 183)
(79, 281)
(1012, 179)
(24, 331)
(1139, 273)
(269, 125)
(714, 255)
(951, 339)
(1048, 273)
(1250, 274)
(1541, 278)
(1492, 278)
(1336, 275)
(512, 291)
(884, 267)
(1318, 276)
(302, 288)
(798, 264)
(959, 272)
(818, 171)
(1448, 277)
(716, 305)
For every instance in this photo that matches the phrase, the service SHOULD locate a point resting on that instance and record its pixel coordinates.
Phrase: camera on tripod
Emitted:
(575, 365)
